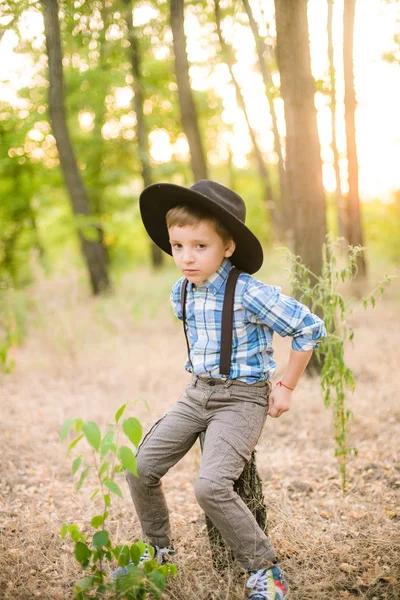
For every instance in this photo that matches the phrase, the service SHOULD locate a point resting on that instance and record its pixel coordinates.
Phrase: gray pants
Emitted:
(232, 414)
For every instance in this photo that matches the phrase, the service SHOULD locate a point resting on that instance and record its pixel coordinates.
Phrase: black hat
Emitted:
(157, 199)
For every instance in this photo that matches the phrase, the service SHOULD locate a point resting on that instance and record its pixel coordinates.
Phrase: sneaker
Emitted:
(161, 556)
(268, 584)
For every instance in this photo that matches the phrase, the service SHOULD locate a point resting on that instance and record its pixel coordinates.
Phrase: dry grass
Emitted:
(86, 358)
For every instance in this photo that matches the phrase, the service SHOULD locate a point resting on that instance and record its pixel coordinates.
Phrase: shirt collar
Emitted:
(217, 279)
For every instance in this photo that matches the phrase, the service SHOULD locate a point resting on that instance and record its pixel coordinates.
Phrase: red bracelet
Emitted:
(285, 386)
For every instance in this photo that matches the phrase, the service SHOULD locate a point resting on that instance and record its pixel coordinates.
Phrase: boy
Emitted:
(204, 229)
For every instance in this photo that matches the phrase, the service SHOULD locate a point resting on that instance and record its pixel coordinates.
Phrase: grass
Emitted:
(87, 357)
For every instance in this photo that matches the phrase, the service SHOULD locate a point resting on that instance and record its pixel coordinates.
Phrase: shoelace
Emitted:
(161, 555)
(263, 584)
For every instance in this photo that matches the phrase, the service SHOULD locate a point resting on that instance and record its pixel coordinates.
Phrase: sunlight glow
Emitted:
(377, 87)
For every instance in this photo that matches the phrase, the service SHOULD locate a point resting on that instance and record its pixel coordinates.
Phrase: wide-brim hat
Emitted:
(157, 199)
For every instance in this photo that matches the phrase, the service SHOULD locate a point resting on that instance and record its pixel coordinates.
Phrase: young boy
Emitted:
(204, 229)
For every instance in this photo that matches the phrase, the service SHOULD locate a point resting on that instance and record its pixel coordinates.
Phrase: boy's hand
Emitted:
(279, 401)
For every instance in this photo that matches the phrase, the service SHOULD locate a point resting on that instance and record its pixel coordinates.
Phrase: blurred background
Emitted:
(293, 104)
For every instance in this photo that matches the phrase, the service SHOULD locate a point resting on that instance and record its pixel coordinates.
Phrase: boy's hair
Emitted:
(184, 214)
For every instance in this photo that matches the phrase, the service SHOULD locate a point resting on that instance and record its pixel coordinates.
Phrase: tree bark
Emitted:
(340, 206)
(263, 55)
(141, 129)
(186, 102)
(263, 170)
(303, 160)
(93, 251)
(355, 231)
(249, 488)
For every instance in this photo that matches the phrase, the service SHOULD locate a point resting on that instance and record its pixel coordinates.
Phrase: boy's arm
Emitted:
(281, 397)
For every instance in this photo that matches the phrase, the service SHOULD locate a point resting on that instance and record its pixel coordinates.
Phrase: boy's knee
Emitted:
(208, 491)
(203, 490)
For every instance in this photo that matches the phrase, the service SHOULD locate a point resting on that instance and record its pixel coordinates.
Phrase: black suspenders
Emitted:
(226, 323)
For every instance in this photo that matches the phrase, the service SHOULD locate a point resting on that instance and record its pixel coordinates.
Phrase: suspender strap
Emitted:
(183, 305)
(226, 322)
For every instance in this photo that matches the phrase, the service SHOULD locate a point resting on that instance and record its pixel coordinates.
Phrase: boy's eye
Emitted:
(177, 246)
(201, 245)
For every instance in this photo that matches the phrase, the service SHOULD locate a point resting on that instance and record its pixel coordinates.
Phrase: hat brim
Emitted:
(157, 199)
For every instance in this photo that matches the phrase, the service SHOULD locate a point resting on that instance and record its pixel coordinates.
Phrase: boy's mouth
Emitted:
(190, 271)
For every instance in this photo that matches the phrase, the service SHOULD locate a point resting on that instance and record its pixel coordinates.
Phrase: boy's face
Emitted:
(198, 251)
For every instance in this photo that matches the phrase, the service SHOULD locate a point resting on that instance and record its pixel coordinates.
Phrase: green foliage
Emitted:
(94, 551)
(13, 327)
(322, 294)
(382, 223)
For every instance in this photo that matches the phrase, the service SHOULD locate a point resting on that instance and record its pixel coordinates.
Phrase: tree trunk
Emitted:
(303, 160)
(93, 251)
(263, 54)
(355, 232)
(138, 99)
(249, 488)
(186, 102)
(340, 206)
(261, 164)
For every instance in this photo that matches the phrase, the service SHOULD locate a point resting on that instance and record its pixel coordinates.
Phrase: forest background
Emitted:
(295, 106)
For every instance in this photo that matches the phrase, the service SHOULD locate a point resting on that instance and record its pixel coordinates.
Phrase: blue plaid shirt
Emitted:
(259, 311)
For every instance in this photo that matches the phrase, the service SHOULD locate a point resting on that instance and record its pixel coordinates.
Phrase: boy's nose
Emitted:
(187, 256)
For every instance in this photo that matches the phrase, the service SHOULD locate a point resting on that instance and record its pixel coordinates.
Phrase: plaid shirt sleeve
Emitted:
(175, 298)
(286, 316)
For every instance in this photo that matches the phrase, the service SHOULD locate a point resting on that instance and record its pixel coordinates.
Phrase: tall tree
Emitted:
(354, 230)
(186, 101)
(138, 101)
(93, 251)
(264, 58)
(262, 166)
(303, 159)
(340, 208)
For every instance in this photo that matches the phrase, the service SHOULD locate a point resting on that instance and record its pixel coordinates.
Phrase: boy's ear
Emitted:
(230, 248)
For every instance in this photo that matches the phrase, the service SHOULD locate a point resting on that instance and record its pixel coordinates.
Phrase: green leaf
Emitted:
(75, 533)
(128, 459)
(74, 443)
(100, 539)
(135, 553)
(123, 556)
(92, 434)
(171, 569)
(84, 584)
(107, 443)
(104, 467)
(107, 500)
(112, 486)
(133, 430)
(63, 530)
(82, 553)
(93, 496)
(65, 429)
(158, 582)
(120, 412)
(78, 425)
(98, 520)
(82, 478)
(76, 464)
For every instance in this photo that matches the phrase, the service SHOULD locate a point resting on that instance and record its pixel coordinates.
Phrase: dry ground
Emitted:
(86, 358)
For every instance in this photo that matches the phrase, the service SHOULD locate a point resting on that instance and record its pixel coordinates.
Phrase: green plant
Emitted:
(12, 322)
(321, 293)
(94, 549)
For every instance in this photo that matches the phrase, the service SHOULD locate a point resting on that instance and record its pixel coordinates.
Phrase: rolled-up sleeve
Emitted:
(175, 298)
(265, 305)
